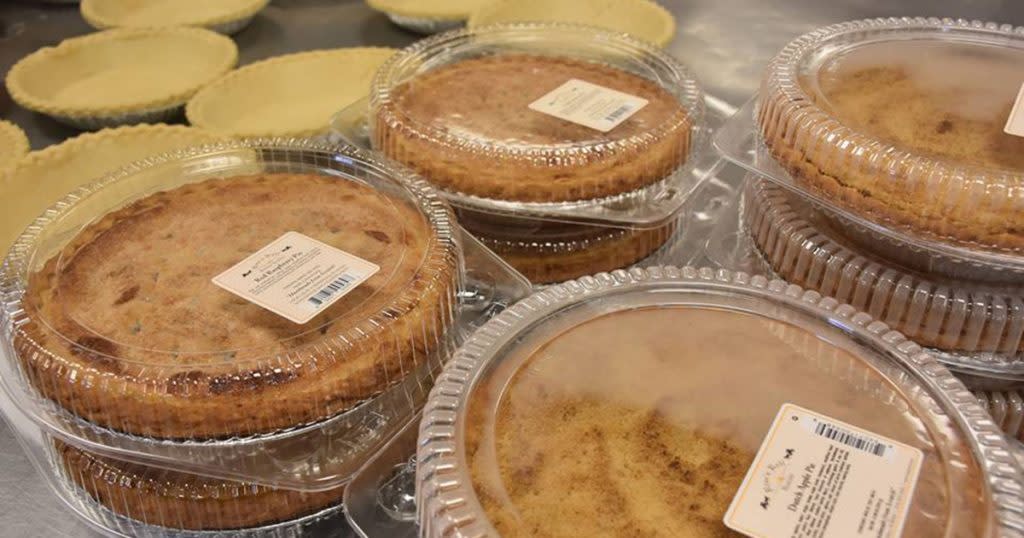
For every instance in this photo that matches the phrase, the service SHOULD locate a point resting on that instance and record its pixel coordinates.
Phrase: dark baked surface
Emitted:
(185, 501)
(485, 100)
(887, 104)
(128, 331)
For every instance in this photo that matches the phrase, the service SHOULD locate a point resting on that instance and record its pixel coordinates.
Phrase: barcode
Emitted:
(829, 431)
(618, 112)
(334, 287)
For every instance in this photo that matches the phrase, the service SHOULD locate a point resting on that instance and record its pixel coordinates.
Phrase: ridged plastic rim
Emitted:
(1007, 407)
(683, 83)
(783, 236)
(15, 267)
(447, 505)
(783, 80)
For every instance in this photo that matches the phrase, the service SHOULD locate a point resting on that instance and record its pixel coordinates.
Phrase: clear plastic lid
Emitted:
(897, 126)
(113, 315)
(975, 325)
(119, 498)
(633, 403)
(548, 251)
(464, 109)
(1006, 408)
(116, 339)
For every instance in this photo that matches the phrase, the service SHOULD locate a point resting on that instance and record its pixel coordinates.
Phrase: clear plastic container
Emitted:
(464, 99)
(548, 241)
(895, 127)
(650, 390)
(548, 251)
(126, 499)
(116, 340)
(1006, 408)
(977, 325)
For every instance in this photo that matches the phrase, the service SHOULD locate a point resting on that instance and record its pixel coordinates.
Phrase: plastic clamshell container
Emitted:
(463, 98)
(895, 126)
(971, 325)
(569, 387)
(1006, 408)
(126, 499)
(264, 399)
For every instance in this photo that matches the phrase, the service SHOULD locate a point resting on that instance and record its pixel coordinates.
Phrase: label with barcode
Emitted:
(296, 276)
(589, 105)
(1015, 123)
(818, 477)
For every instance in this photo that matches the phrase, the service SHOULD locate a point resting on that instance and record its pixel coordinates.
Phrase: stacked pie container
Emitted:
(880, 174)
(176, 407)
(557, 198)
(613, 386)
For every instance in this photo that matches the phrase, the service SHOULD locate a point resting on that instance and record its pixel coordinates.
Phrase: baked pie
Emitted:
(124, 327)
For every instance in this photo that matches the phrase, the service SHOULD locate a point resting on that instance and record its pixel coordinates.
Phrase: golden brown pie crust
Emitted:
(889, 102)
(486, 100)
(126, 330)
(547, 262)
(186, 501)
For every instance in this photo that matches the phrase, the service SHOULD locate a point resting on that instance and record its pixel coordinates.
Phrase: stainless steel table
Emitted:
(726, 42)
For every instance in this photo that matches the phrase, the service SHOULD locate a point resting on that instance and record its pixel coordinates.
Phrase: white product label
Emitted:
(589, 105)
(296, 276)
(1015, 123)
(817, 477)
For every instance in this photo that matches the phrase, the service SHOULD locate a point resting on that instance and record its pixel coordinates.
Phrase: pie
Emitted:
(1006, 408)
(546, 252)
(908, 134)
(643, 19)
(123, 326)
(120, 76)
(467, 127)
(225, 14)
(262, 99)
(178, 500)
(643, 422)
(440, 9)
(803, 247)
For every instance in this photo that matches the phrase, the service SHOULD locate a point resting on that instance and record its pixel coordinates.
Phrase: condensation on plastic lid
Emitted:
(666, 380)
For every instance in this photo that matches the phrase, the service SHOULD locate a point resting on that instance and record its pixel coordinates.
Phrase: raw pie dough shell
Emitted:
(104, 14)
(479, 110)
(13, 145)
(868, 177)
(120, 72)
(126, 331)
(435, 9)
(179, 500)
(263, 99)
(642, 19)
